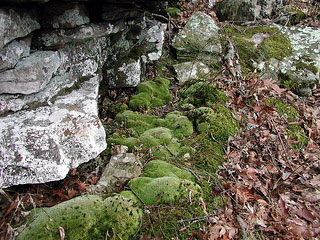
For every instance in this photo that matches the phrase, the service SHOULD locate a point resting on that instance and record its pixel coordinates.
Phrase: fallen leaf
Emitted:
(61, 233)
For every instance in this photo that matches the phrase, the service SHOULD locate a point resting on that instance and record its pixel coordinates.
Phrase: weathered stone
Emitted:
(190, 70)
(155, 39)
(52, 39)
(66, 15)
(16, 23)
(112, 12)
(12, 53)
(41, 145)
(199, 37)
(125, 73)
(122, 167)
(31, 74)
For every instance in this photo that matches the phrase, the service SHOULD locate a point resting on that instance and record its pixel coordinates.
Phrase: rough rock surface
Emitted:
(10, 55)
(199, 37)
(122, 167)
(67, 15)
(41, 145)
(58, 38)
(31, 74)
(190, 70)
(15, 24)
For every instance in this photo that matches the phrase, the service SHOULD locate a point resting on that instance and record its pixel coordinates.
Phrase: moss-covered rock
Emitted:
(202, 94)
(158, 168)
(123, 216)
(163, 190)
(180, 124)
(151, 94)
(199, 38)
(85, 217)
(258, 44)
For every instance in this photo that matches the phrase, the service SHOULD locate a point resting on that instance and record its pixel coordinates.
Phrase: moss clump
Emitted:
(151, 94)
(158, 168)
(156, 137)
(81, 217)
(202, 94)
(180, 124)
(123, 216)
(217, 121)
(130, 142)
(163, 190)
(275, 46)
(295, 132)
(173, 11)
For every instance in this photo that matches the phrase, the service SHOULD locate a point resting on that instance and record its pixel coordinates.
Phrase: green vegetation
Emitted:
(151, 94)
(276, 45)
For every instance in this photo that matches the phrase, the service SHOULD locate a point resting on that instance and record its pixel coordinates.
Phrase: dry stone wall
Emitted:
(54, 55)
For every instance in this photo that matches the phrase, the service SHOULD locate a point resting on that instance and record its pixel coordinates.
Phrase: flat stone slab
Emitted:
(41, 145)
(15, 24)
(31, 74)
(190, 70)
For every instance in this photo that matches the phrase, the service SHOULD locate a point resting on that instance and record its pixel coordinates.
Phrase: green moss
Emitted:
(130, 142)
(81, 217)
(180, 124)
(297, 17)
(158, 168)
(172, 11)
(276, 46)
(202, 94)
(163, 190)
(295, 132)
(157, 136)
(151, 94)
(123, 216)
(217, 121)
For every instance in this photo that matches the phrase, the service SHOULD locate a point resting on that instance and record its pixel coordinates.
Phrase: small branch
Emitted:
(165, 207)
(196, 219)
(165, 18)
(136, 195)
(166, 147)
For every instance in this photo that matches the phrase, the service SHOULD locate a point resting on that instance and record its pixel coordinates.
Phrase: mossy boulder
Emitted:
(180, 124)
(236, 10)
(217, 121)
(163, 190)
(199, 38)
(81, 218)
(258, 44)
(159, 168)
(123, 216)
(151, 94)
(85, 217)
(202, 94)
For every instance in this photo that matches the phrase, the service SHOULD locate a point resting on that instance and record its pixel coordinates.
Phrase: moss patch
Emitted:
(123, 216)
(82, 218)
(202, 94)
(274, 45)
(151, 94)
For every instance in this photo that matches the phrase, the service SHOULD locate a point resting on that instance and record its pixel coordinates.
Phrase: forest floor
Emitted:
(272, 186)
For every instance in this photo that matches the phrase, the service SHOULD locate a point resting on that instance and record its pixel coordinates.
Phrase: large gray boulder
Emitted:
(31, 74)
(16, 23)
(199, 38)
(41, 145)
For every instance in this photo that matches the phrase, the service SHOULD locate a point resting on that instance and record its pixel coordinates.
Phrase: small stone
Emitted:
(190, 70)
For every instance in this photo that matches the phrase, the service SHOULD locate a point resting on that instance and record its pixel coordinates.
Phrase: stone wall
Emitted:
(54, 55)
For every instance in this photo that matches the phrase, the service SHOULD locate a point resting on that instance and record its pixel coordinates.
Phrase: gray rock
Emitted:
(122, 167)
(41, 145)
(53, 39)
(31, 74)
(199, 37)
(67, 15)
(16, 24)
(12, 53)
(190, 70)
(125, 73)
(155, 38)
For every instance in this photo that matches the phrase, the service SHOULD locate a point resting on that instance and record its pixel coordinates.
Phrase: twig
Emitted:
(165, 207)
(136, 195)
(140, 225)
(165, 18)
(166, 147)
(196, 219)
(282, 144)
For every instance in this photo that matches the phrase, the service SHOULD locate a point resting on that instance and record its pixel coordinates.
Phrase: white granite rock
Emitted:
(41, 145)
(190, 70)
